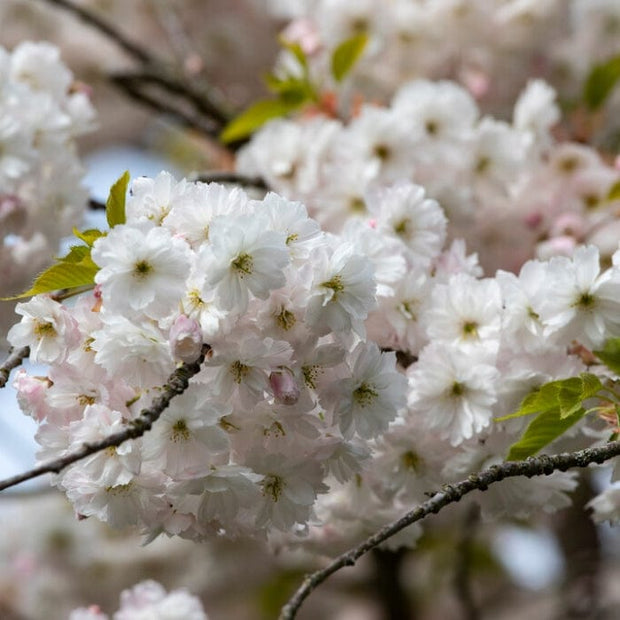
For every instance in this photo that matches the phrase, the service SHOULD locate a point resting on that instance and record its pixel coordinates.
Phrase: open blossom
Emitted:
(142, 269)
(137, 352)
(342, 291)
(465, 312)
(581, 302)
(187, 436)
(372, 397)
(47, 328)
(244, 256)
(148, 601)
(451, 392)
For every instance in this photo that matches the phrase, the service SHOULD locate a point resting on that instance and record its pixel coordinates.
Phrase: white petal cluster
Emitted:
(290, 389)
(146, 601)
(42, 111)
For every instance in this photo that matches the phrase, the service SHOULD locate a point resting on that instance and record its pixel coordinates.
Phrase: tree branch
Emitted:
(543, 465)
(157, 72)
(177, 384)
(189, 118)
(107, 29)
(231, 177)
(15, 359)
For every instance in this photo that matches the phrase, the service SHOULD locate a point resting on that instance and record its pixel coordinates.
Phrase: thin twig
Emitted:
(96, 205)
(155, 71)
(170, 21)
(177, 384)
(450, 493)
(133, 49)
(162, 77)
(15, 359)
(231, 177)
(163, 104)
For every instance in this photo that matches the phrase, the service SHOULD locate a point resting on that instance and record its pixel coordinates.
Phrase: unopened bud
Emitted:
(185, 339)
(284, 386)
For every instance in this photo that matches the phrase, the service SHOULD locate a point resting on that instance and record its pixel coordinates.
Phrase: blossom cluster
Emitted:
(510, 189)
(296, 397)
(148, 600)
(492, 47)
(291, 390)
(42, 111)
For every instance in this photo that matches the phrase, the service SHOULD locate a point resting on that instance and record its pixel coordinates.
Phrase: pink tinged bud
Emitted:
(303, 32)
(569, 224)
(284, 386)
(533, 220)
(185, 339)
(476, 82)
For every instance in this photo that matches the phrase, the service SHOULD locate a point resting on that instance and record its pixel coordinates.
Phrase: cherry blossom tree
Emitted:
(403, 289)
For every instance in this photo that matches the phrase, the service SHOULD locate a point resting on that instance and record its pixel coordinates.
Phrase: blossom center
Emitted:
(585, 300)
(44, 329)
(239, 371)
(273, 486)
(365, 394)
(243, 264)
(458, 389)
(470, 329)
(357, 205)
(285, 319)
(410, 460)
(335, 284)
(142, 269)
(180, 432)
(310, 374)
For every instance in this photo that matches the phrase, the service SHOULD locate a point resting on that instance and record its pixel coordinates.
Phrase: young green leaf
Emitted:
(601, 81)
(541, 399)
(297, 51)
(254, 117)
(115, 204)
(610, 355)
(566, 395)
(541, 431)
(89, 236)
(63, 275)
(347, 54)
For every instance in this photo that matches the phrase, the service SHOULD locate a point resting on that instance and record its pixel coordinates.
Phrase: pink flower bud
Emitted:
(185, 339)
(284, 386)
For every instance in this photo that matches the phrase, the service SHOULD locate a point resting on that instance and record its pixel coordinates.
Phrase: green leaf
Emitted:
(566, 395)
(297, 51)
(89, 236)
(63, 275)
(77, 254)
(115, 204)
(347, 54)
(290, 90)
(600, 82)
(541, 431)
(541, 399)
(256, 115)
(610, 355)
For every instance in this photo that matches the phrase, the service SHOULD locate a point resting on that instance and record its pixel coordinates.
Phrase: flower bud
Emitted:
(284, 386)
(185, 339)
